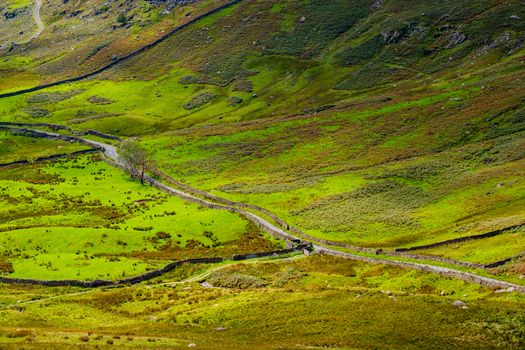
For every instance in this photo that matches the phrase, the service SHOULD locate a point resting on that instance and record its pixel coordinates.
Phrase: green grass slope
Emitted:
(369, 307)
(372, 123)
(82, 219)
(386, 124)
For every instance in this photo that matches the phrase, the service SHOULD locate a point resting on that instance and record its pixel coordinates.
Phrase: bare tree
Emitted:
(136, 155)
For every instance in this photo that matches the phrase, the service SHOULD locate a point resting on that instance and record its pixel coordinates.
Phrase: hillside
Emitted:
(390, 132)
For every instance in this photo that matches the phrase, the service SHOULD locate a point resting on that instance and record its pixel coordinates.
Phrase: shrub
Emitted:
(84, 338)
(6, 266)
(122, 18)
(162, 235)
(362, 53)
(148, 228)
(203, 79)
(235, 280)
(200, 100)
(36, 112)
(243, 85)
(235, 100)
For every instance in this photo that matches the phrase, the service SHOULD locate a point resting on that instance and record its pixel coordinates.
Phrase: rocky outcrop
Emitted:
(390, 37)
(455, 39)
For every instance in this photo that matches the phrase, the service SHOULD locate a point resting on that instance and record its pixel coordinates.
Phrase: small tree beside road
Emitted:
(136, 155)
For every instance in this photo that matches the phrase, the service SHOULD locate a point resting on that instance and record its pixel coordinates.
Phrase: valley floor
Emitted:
(343, 174)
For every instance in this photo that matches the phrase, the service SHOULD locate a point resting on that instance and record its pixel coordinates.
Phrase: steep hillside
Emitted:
(375, 123)
(391, 130)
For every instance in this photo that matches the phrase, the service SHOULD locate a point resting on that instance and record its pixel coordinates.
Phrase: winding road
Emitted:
(38, 20)
(111, 153)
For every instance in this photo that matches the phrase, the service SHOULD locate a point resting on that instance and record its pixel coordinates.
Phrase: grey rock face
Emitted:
(455, 39)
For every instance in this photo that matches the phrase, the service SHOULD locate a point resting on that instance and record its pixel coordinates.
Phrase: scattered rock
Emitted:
(506, 42)
(171, 4)
(235, 100)
(192, 345)
(460, 304)
(99, 100)
(36, 112)
(455, 39)
(206, 285)
(390, 37)
(377, 4)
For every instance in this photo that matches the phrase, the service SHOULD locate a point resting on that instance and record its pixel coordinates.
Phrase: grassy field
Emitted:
(485, 250)
(296, 303)
(83, 219)
(14, 148)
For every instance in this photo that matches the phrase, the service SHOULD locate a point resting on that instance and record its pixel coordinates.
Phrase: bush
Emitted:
(36, 112)
(363, 52)
(200, 100)
(325, 21)
(203, 79)
(235, 100)
(6, 266)
(162, 235)
(84, 338)
(122, 18)
(235, 280)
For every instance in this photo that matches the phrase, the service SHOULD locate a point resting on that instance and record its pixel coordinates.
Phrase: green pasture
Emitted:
(83, 218)
(320, 296)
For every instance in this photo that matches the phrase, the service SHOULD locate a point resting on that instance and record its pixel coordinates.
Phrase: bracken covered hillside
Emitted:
(386, 128)
(377, 123)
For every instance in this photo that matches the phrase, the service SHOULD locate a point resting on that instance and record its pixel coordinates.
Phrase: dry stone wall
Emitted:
(461, 239)
(146, 276)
